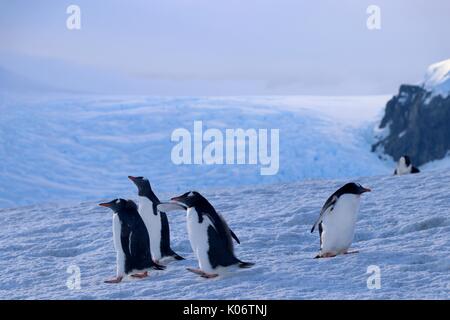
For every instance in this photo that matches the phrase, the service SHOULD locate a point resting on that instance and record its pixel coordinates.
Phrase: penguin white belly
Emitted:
(338, 226)
(120, 255)
(198, 237)
(153, 224)
(403, 169)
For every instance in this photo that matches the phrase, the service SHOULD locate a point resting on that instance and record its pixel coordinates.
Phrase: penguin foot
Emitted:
(209, 275)
(140, 275)
(351, 252)
(202, 274)
(115, 280)
(196, 271)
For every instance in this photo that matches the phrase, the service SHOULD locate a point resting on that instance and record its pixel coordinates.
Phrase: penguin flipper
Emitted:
(415, 170)
(327, 207)
(220, 251)
(235, 236)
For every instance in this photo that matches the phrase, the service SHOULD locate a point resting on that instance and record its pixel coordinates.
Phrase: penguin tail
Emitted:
(158, 267)
(245, 265)
(177, 256)
(173, 254)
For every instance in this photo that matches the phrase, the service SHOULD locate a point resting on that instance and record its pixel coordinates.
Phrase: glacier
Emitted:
(81, 147)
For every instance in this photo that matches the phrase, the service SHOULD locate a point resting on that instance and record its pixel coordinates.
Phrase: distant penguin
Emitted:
(131, 241)
(156, 222)
(405, 166)
(209, 234)
(337, 220)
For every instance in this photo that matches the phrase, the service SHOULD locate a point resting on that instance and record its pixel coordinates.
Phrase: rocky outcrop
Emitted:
(417, 120)
(417, 123)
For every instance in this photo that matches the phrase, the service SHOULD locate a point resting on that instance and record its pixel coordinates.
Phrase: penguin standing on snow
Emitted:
(156, 222)
(209, 234)
(131, 241)
(405, 166)
(337, 220)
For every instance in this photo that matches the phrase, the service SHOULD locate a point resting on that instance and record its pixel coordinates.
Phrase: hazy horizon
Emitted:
(229, 47)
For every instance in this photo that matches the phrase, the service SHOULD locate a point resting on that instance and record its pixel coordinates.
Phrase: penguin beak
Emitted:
(132, 178)
(171, 206)
(105, 204)
(366, 190)
(178, 199)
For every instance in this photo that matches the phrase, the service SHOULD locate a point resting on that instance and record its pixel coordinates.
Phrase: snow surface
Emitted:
(403, 227)
(83, 148)
(437, 78)
(64, 154)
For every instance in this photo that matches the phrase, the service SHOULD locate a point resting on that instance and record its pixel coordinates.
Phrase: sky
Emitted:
(224, 47)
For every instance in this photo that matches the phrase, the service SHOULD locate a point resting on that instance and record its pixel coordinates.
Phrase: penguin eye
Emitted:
(117, 201)
(191, 194)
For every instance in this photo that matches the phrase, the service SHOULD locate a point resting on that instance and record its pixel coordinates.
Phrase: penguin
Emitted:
(209, 235)
(131, 241)
(156, 222)
(405, 166)
(337, 220)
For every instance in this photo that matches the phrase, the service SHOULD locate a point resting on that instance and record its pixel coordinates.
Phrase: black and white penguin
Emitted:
(131, 241)
(404, 166)
(209, 235)
(156, 222)
(337, 220)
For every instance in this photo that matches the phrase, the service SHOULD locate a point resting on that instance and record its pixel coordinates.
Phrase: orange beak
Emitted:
(105, 204)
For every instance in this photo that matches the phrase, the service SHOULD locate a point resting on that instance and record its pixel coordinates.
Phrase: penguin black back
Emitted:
(221, 249)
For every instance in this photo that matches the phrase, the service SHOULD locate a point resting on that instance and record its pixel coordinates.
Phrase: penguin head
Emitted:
(115, 205)
(354, 188)
(190, 199)
(142, 184)
(405, 160)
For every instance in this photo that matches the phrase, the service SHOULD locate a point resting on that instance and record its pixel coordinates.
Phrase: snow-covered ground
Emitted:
(83, 148)
(403, 227)
(61, 155)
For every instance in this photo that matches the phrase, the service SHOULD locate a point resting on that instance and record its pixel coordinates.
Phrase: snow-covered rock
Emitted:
(416, 120)
(437, 78)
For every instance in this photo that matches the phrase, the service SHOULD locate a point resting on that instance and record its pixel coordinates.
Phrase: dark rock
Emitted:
(418, 125)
